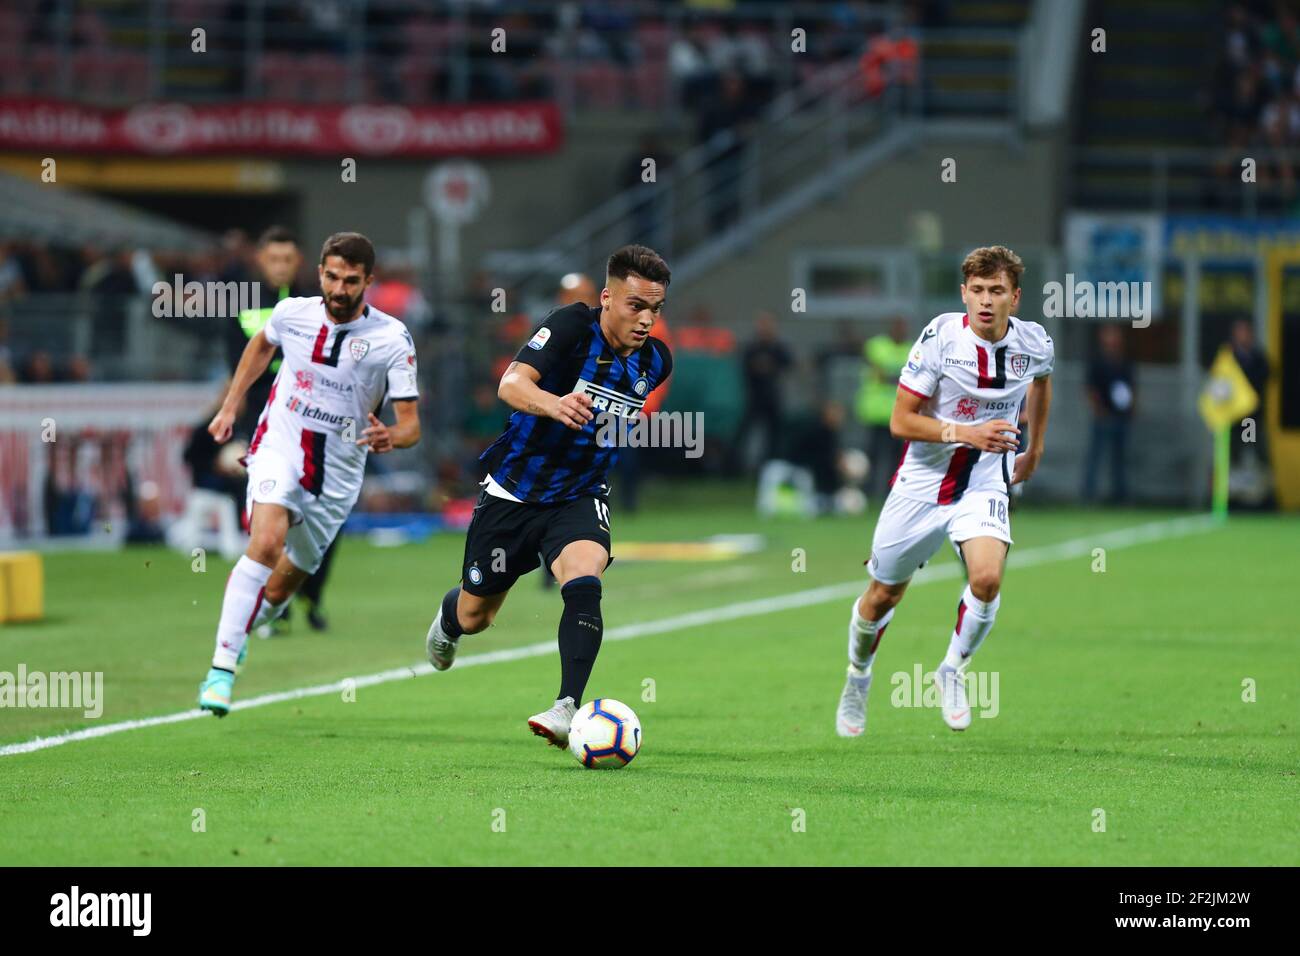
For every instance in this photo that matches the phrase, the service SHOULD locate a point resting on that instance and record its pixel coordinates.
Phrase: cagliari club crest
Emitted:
(1019, 365)
(359, 349)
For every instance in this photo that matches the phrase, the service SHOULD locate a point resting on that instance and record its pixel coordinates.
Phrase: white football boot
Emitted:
(441, 650)
(952, 692)
(554, 724)
(851, 718)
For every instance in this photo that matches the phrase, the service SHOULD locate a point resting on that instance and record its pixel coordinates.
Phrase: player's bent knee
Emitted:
(574, 573)
(985, 586)
(882, 596)
(265, 549)
(475, 614)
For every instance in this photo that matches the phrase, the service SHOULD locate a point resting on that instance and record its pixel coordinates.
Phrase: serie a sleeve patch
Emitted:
(539, 339)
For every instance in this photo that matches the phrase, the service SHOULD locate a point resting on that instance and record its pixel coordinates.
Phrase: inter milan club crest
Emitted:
(359, 349)
(1019, 365)
(475, 575)
(640, 387)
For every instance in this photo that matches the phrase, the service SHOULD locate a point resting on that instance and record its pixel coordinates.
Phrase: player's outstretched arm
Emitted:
(520, 391)
(1038, 404)
(256, 357)
(404, 434)
(908, 423)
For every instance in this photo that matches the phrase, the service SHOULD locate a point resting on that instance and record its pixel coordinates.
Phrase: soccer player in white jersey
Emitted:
(957, 403)
(342, 360)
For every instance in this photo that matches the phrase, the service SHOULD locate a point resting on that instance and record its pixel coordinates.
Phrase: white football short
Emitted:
(313, 521)
(909, 532)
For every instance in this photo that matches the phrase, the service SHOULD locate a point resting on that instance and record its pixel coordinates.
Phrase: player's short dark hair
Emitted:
(638, 260)
(352, 247)
(276, 234)
(987, 261)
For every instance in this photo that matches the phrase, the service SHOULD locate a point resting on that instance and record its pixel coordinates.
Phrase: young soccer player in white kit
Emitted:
(957, 403)
(342, 360)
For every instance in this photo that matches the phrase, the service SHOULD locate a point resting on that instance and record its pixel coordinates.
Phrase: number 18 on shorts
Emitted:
(909, 532)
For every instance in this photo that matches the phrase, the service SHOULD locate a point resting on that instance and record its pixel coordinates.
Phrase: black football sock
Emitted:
(450, 622)
(580, 632)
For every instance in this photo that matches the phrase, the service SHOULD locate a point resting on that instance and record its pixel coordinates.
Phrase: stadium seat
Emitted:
(325, 77)
(600, 85)
(111, 75)
(427, 35)
(650, 80)
(415, 73)
(279, 77)
(653, 40)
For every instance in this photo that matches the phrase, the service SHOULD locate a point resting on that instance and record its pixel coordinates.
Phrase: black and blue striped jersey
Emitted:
(540, 460)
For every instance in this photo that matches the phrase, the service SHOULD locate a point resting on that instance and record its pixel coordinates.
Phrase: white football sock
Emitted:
(864, 637)
(974, 621)
(244, 597)
(269, 612)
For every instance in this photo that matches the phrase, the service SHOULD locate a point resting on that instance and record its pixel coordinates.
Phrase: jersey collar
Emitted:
(350, 323)
(965, 324)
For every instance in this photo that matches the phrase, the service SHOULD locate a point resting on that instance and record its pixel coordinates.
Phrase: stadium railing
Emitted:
(728, 189)
(1187, 179)
(117, 334)
(722, 181)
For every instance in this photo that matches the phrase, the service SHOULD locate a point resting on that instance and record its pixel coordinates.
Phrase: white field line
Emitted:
(1045, 554)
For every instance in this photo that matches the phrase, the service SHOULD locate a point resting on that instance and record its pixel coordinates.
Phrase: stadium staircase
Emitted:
(1141, 109)
(966, 60)
(808, 147)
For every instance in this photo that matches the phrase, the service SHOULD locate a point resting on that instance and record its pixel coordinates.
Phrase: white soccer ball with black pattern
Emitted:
(604, 733)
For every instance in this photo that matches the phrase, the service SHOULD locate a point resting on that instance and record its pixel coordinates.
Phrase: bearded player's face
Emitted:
(630, 307)
(343, 286)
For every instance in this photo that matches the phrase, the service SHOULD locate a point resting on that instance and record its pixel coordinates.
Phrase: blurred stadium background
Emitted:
(798, 150)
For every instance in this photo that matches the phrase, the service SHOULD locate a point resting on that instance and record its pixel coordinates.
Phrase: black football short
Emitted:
(507, 539)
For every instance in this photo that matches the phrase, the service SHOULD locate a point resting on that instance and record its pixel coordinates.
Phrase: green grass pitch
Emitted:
(1120, 692)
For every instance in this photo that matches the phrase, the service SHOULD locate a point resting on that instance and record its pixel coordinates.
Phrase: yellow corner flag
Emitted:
(1226, 398)
(1228, 395)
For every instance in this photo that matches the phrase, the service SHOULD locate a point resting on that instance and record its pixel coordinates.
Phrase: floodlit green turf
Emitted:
(1118, 691)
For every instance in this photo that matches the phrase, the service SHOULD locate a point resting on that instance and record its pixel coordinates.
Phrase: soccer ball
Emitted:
(604, 733)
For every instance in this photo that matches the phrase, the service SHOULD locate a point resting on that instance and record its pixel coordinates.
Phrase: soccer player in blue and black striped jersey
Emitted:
(545, 496)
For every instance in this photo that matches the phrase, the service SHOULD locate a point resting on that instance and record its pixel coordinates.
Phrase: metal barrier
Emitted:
(1191, 179)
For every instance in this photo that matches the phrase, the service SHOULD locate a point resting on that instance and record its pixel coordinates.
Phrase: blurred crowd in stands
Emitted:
(98, 283)
(612, 53)
(1255, 95)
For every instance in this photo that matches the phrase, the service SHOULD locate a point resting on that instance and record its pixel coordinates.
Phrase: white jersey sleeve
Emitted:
(920, 375)
(401, 369)
(273, 329)
(1048, 359)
